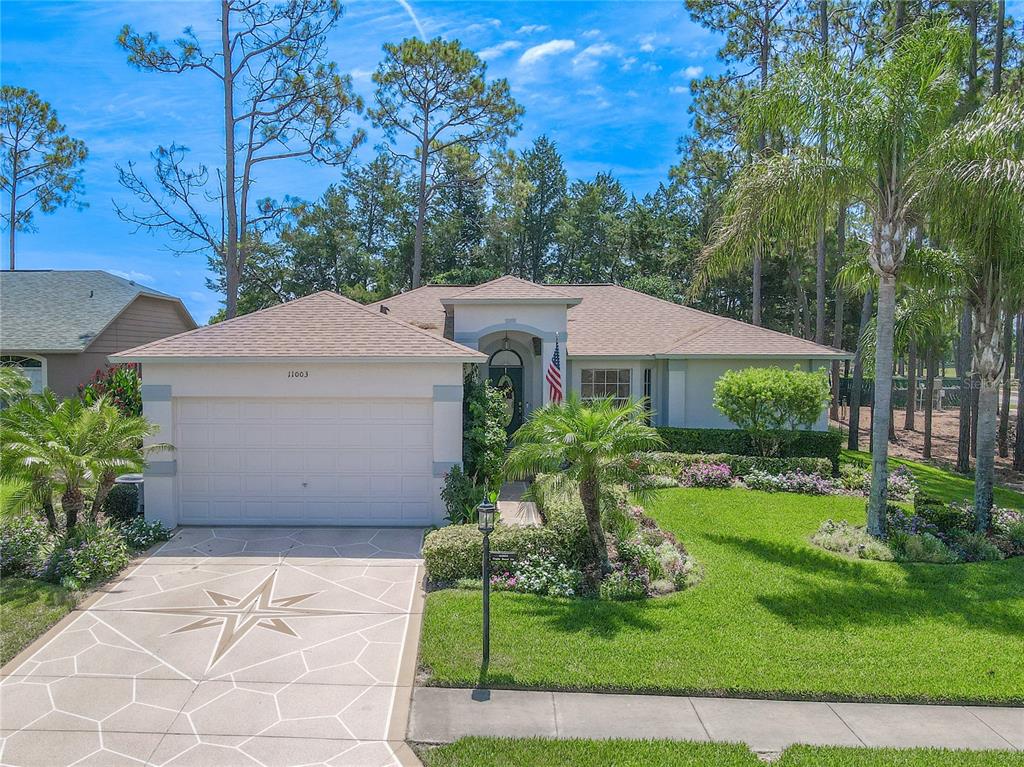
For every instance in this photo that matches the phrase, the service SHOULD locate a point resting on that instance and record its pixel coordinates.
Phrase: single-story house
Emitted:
(59, 326)
(325, 412)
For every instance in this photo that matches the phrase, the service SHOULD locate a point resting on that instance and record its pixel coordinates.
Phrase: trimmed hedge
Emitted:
(742, 465)
(803, 444)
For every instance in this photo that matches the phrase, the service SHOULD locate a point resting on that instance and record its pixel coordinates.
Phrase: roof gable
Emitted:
(63, 310)
(322, 325)
(509, 288)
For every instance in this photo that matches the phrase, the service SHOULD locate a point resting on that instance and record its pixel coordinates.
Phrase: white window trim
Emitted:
(37, 357)
(618, 369)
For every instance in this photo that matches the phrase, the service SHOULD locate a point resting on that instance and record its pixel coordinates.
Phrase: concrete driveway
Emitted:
(230, 646)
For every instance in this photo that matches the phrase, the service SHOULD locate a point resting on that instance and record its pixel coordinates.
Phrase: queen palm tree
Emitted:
(979, 210)
(887, 112)
(594, 445)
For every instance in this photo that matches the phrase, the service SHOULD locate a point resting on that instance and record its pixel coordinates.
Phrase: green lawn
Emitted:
(27, 608)
(537, 752)
(774, 616)
(939, 483)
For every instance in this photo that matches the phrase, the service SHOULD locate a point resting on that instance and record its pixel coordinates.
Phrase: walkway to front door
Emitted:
(230, 646)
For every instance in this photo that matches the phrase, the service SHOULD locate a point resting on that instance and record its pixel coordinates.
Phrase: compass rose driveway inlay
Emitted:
(230, 646)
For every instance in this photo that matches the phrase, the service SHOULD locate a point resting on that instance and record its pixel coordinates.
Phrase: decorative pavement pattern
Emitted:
(226, 646)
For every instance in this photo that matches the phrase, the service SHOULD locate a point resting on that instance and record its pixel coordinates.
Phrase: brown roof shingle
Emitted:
(509, 288)
(323, 324)
(611, 320)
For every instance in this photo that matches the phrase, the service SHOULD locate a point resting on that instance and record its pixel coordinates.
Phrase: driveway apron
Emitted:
(229, 646)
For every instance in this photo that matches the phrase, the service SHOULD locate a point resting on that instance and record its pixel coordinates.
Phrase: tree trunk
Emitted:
(840, 309)
(997, 56)
(73, 502)
(1004, 399)
(985, 465)
(50, 514)
(975, 405)
(232, 265)
(14, 207)
(1018, 443)
(963, 364)
(908, 420)
(590, 496)
(857, 380)
(819, 267)
(929, 398)
(882, 402)
(421, 212)
(755, 317)
(102, 491)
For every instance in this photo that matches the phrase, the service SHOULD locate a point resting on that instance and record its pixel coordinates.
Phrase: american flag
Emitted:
(554, 376)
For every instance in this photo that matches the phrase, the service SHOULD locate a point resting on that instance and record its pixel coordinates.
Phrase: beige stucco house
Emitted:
(322, 411)
(59, 326)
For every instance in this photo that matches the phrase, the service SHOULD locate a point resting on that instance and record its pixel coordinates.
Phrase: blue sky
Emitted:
(608, 81)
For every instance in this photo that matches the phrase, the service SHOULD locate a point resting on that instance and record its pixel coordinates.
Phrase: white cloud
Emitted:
(632, 94)
(647, 47)
(678, 89)
(479, 27)
(551, 48)
(591, 33)
(650, 66)
(690, 72)
(647, 42)
(529, 29)
(496, 51)
(135, 276)
(589, 57)
(627, 63)
(361, 75)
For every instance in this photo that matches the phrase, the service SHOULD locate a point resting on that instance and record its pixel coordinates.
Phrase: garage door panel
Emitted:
(305, 461)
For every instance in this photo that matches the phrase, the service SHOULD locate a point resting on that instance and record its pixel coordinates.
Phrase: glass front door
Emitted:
(507, 377)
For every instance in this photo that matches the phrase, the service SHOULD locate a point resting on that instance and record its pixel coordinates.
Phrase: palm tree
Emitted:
(595, 445)
(979, 210)
(27, 422)
(887, 112)
(15, 497)
(13, 385)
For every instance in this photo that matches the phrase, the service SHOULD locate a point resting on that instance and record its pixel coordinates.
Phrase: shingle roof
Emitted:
(63, 311)
(323, 324)
(511, 288)
(614, 321)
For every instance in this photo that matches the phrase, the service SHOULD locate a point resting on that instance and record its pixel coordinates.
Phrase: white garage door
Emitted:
(304, 461)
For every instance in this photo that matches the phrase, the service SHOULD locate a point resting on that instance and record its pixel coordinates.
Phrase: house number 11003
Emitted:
(298, 374)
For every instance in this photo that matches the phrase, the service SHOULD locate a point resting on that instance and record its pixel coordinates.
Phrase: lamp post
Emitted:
(485, 521)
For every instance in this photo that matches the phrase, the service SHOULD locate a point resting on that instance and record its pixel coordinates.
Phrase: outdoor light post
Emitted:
(485, 521)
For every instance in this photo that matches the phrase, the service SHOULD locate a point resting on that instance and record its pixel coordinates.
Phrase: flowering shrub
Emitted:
(622, 585)
(121, 383)
(855, 479)
(139, 534)
(22, 545)
(791, 482)
(947, 518)
(975, 547)
(706, 475)
(899, 521)
(539, 574)
(924, 547)
(1008, 522)
(91, 553)
(901, 485)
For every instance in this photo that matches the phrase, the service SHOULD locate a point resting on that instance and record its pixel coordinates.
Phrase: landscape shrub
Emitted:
(974, 547)
(673, 464)
(139, 534)
(122, 502)
(122, 384)
(23, 542)
(798, 444)
(706, 475)
(947, 518)
(845, 538)
(484, 438)
(620, 586)
(790, 482)
(855, 479)
(923, 547)
(539, 574)
(900, 485)
(1006, 523)
(456, 551)
(461, 496)
(90, 553)
(899, 521)
(770, 403)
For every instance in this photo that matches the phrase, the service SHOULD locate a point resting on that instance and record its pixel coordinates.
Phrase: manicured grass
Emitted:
(939, 483)
(27, 608)
(774, 616)
(537, 752)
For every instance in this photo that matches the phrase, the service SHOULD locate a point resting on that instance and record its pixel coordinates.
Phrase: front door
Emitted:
(509, 381)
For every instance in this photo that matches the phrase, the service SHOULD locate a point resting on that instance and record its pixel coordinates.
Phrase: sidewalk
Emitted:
(442, 715)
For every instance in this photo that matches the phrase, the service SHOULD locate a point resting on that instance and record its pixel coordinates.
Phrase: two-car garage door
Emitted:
(304, 461)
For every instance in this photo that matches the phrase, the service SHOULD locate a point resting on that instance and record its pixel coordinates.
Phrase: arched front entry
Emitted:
(505, 372)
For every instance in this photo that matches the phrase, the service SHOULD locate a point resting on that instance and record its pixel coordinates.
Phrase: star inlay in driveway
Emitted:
(255, 646)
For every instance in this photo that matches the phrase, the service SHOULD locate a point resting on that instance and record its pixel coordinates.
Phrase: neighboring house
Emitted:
(323, 411)
(60, 326)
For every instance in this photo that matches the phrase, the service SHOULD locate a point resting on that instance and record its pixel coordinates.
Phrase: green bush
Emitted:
(139, 534)
(769, 403)
(122, 502)
(947, 518)
(975, 547)
(23, 542)
(924, 547)
(456, 551)
(122, 384)
(844, 538)
(742, 465)
(798, 444)
(484, 439)
(620, 586)
(91, 553)
(461, 496)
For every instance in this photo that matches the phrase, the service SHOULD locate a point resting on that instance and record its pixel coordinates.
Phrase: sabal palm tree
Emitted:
(888, 111)
(595, 445)
(979, 210)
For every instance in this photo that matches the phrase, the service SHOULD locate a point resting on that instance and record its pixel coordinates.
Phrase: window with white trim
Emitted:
(30, 367)
(597, 383)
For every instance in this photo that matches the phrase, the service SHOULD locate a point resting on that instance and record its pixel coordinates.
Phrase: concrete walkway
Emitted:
(442, 715)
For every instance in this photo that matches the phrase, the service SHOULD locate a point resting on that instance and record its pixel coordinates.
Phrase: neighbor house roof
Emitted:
(613, 321)
(64, 311)
(322, 325)
(510, 288)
